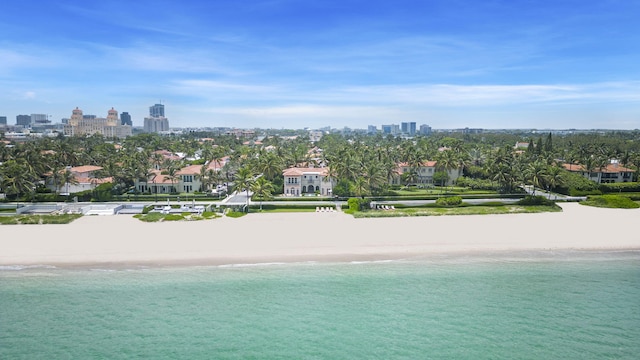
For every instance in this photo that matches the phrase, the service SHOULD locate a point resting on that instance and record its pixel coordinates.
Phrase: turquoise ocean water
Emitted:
(547, 305)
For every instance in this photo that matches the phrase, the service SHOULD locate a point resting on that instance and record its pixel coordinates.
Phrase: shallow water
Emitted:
(543, 305)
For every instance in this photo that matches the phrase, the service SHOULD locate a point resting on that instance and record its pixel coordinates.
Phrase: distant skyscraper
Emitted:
(412, 128)
(393, 129)
(156, 110)
(425, 129)
(38, 119)
(126, 119)
(23, 120)
(408, 128)
(371, 129)
(3, 120)
(156, 122)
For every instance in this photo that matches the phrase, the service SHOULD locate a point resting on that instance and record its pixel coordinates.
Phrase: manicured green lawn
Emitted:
(283, 210)
(38, 219)
(611, 201)
(466, 210)
(157, 217)
(414, 191)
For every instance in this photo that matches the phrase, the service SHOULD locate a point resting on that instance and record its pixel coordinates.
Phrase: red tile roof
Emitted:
(85, 168)
(610, 168)
(301, 171)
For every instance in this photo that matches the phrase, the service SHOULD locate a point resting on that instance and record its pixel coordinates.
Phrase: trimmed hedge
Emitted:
(449, 201)
(620, 187)
(535, 200)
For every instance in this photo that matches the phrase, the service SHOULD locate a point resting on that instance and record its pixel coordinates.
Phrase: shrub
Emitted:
(477, 184)
(235, 214)
(620, 187)
(575, 184)
(535, 200)
(358, 204)
(611, 201)
(575, 192)
(449, 201)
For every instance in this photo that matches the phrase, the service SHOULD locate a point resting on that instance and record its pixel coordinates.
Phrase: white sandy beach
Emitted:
(287, 237)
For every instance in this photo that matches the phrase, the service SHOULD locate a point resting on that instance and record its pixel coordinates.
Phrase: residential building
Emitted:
(424, 174)
(3, 120)
(612, 173)
(300, 181)
(187, 180)
(79, 125)
(85, 178)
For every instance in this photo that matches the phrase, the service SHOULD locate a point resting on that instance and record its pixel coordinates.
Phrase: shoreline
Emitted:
(123, 241)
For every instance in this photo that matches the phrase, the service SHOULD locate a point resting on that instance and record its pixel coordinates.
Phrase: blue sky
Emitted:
(295, 64)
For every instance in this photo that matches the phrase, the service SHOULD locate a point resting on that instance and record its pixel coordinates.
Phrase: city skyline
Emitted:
(292, 64)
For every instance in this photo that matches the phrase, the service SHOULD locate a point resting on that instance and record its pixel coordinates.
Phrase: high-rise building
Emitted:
(392, 129)
(80, 125)
(125, 119)
(425, 129)
(156, 122)
(3, 120)
(371, 129)
(39, 119)
(408, 128)
(23, 120)
(156, 110)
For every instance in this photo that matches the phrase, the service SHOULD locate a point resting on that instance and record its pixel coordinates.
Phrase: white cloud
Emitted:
(29, 95)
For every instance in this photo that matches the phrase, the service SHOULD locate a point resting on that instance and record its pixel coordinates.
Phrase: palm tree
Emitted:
(243, 181)
(172, 174)
(16, 179)
(554, 177)
(360, 187)
(68, 178)
(262, 188)
(536, 173)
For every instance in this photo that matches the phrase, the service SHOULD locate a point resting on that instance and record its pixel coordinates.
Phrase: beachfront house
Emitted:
(302, 181)
(423, 174)
(186, 180)
(612, 173)
(83, 178)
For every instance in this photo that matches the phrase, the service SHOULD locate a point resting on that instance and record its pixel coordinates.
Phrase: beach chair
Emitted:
(317, 208)
(392, 207)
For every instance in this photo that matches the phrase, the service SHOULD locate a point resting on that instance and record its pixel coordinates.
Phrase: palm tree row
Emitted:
(362, 165)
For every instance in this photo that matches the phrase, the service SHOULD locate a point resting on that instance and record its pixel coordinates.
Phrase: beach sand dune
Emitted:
(286, 237)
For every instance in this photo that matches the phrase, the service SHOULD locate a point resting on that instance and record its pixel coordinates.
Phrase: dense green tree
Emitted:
(262, 189)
